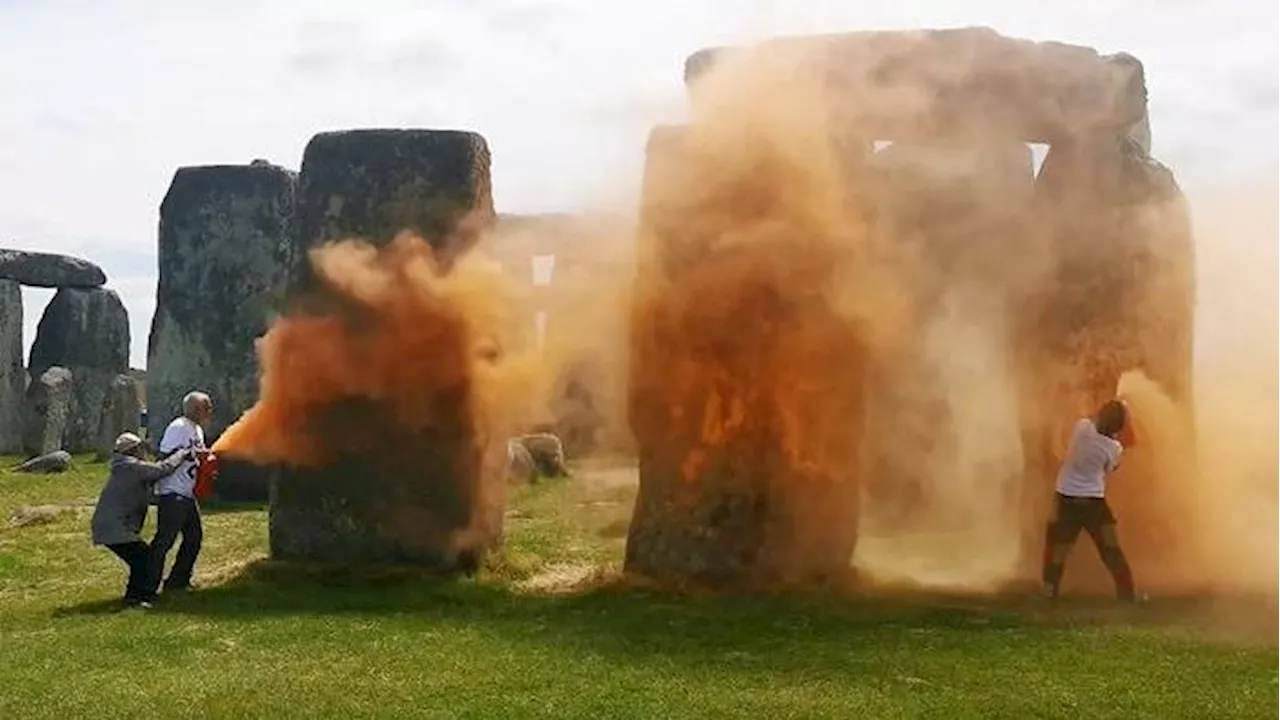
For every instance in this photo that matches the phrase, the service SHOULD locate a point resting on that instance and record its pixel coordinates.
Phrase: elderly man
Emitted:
(177, 511)
(122, 509)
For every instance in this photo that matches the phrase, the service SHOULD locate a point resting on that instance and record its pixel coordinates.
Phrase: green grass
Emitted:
(264, 640)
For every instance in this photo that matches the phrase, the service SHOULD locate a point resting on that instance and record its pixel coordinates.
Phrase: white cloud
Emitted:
(111, 97)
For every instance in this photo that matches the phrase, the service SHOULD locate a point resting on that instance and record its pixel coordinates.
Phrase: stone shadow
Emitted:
(634, 624)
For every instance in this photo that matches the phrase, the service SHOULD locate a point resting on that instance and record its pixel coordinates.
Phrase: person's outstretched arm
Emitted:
(151, 473)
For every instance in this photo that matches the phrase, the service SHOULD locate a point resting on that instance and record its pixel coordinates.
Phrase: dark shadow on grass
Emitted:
(613, 619)
(268, 587)
(824, 634)
(95, 607)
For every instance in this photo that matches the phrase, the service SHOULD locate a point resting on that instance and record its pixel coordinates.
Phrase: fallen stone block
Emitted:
(49, 463)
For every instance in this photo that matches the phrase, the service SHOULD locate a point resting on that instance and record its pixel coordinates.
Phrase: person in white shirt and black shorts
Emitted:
(177, 511)
(1081, 502)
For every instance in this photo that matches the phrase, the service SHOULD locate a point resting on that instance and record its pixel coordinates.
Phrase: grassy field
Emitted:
(548, 631)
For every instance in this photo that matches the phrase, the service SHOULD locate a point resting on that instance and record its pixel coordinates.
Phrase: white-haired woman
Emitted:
(122, 510)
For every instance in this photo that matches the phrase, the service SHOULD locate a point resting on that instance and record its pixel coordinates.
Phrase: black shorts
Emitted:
(1080, 513)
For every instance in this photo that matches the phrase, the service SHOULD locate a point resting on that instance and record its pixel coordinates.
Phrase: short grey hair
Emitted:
(192, 399)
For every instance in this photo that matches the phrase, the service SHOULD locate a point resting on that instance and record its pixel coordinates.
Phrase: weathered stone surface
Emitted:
(54, 462)
(45, 410)
(397, 495)
(374, 184)
(428, 495)
(121, 412)
(49, 270)
(86, 332)
(746, 410)
(931, 83)
(226, 239)
(13, 376)
(242, 481)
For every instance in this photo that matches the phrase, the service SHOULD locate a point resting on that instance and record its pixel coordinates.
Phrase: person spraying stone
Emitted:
(1094, 452)
(177, 510)
(122, 510)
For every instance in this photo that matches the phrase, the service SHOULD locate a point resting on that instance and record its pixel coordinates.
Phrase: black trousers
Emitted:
(1094, 516)
(175, 515)
(137, 556)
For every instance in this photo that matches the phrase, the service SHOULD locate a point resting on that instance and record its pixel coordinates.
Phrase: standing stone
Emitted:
(392, 493)
(226, 238)
(746, 409)
(85, 331)
(120, 413)
(49, 270)
(376, 183)
(46, 409)
(242, 481)
(13, 376)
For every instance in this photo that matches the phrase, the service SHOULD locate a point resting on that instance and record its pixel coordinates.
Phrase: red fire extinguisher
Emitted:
(206, 473)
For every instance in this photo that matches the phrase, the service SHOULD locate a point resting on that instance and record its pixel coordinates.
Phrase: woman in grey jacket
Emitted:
(122, 509)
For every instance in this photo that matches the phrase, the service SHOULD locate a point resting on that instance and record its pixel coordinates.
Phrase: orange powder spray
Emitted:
(427, 348)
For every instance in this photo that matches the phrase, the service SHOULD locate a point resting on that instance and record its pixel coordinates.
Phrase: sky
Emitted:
(100, 102)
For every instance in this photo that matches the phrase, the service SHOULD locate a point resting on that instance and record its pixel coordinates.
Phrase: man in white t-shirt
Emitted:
(177, 512)
(1081, 503)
